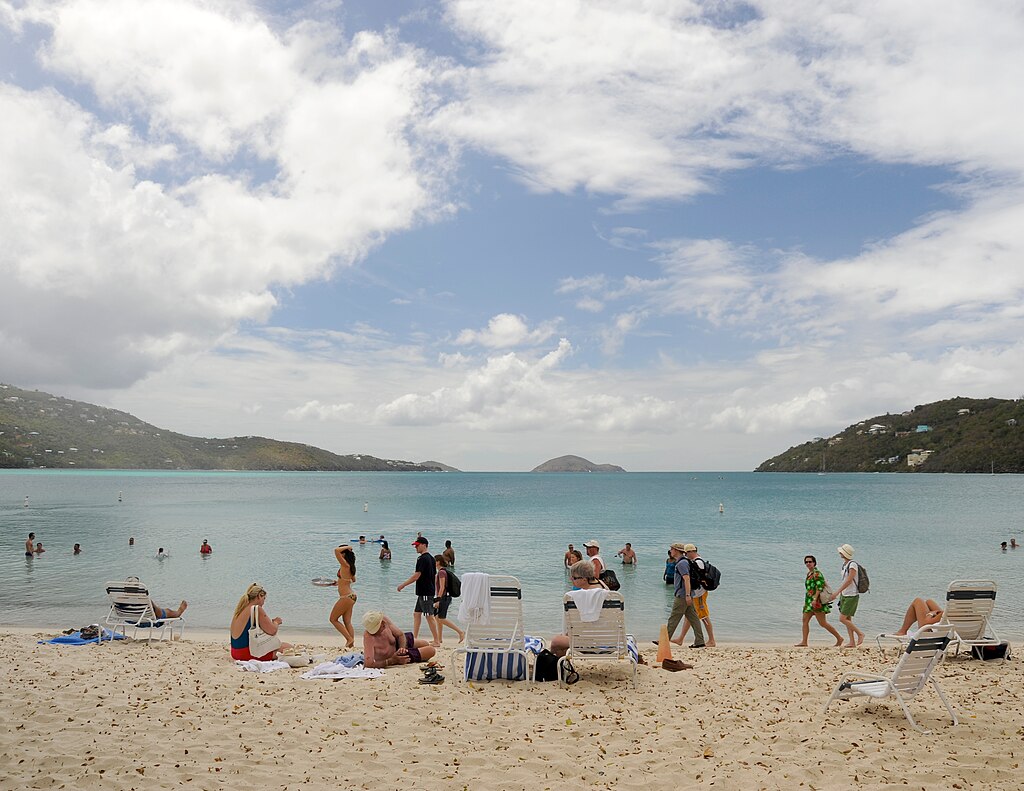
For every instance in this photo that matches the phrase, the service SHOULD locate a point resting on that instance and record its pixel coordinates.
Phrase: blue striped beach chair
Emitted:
(498, 649)
(604, 638)
(130, 605)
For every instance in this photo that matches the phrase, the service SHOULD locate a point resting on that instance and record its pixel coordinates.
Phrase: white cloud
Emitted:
(507, 330)
(317, 411)
(146, 265)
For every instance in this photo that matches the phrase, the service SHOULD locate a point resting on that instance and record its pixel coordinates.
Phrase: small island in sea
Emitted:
(575, 464)
(38, 429)
(963, 435)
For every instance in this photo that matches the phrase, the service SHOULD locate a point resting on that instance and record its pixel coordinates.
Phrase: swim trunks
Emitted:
(424, 604)
(700, 604)
(410, 647)
(848, 605)
(442, 607)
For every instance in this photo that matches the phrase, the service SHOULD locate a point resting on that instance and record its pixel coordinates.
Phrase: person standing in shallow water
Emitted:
(30, 546)
(814, 583)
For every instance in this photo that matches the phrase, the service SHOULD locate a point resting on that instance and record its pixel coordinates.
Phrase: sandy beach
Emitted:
(137, 716)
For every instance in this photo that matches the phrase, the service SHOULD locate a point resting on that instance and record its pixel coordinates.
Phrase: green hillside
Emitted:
(42, 430)
(988, 437)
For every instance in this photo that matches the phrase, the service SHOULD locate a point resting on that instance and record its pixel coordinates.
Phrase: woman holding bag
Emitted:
(251, 623)
(814, 585)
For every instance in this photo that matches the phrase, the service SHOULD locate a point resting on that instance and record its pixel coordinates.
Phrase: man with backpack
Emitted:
(848, 593)
(700, 595)
(682, 601)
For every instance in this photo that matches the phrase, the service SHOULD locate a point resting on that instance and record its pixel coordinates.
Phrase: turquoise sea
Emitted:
(914, 533)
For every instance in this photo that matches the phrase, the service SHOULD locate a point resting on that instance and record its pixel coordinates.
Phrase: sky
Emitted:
(668, 235)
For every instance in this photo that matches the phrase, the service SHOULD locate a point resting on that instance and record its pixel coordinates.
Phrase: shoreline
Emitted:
(744, 718)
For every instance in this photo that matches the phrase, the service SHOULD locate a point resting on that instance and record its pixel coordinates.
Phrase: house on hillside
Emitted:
(922, 429)
(917, 457)
(877, 428)
(963, 412)
(1012, 421)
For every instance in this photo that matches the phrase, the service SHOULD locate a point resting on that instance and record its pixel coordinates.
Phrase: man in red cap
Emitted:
(424, 579)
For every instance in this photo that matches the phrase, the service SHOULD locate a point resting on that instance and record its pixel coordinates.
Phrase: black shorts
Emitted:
(424, 604)
(442, 606)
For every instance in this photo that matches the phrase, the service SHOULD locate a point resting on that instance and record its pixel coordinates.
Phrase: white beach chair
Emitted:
(911, 674)
(497, 649)
(969, 605)
(604, 638)
(130, 605)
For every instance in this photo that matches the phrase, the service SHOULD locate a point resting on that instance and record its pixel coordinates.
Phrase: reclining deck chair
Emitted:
(497, 648)
(912, 673)
(604, 638)
(969, 605)
(130, 605)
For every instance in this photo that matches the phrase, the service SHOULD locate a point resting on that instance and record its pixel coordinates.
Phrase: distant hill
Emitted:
(42, 430)
(432, 465)
(575, 464)
(955, 435)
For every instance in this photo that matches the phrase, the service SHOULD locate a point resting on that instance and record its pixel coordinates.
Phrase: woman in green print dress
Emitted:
(813, 584)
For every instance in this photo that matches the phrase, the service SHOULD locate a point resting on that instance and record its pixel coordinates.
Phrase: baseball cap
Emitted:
(421, 540)
(591, 543)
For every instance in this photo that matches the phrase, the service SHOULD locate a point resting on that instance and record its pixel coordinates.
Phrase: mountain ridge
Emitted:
(574, 464)
(39, 429)
(958, 435)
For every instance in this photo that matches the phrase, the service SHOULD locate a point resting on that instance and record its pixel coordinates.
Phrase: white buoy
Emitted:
(366, 507)
(721, 508)
(119, 496)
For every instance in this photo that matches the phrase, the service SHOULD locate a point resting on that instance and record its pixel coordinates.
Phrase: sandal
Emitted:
(571, 676)
(432, 678)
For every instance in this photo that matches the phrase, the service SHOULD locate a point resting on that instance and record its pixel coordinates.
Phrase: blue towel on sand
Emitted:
(75, 638)
(350, 660)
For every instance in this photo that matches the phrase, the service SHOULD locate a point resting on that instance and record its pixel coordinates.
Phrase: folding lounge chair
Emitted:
(130, 605)
(497, 649)
(604, 638)
(914, 670)
(969, 605)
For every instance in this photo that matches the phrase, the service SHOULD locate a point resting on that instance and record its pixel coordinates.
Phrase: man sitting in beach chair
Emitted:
(130, 605)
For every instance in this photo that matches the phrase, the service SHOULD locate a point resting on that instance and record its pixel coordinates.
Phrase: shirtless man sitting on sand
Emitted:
(385, 645)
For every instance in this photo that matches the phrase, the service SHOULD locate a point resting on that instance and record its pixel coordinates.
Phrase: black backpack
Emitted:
(608, 578)
(454, 584)
(708, 578)
(546, 666)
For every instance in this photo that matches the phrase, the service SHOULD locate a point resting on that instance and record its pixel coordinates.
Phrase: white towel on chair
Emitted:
(475, 607)
(589, 603)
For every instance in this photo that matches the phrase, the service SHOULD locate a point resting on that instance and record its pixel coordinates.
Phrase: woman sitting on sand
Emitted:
(341, 613)
(385, 550)
(814, 583)
(922, 612)
(241, 622)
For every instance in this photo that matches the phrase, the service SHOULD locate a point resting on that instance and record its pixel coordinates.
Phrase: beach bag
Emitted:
(824, 595)
(608, 578)
(546, 666)
(260, 643)
(863, 583)
(454, 584)
(987, 652)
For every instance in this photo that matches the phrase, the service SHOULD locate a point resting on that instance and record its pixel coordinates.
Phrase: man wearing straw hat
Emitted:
(848, 602)
(682, 602)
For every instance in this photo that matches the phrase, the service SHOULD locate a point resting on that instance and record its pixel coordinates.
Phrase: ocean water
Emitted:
(914, 533)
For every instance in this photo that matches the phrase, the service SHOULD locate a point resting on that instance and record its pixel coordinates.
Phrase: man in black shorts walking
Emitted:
(424, 579)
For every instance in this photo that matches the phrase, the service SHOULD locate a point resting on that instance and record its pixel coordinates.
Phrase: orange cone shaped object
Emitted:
(664, 646)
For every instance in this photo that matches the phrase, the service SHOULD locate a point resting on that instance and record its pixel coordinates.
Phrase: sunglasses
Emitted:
(808, 561)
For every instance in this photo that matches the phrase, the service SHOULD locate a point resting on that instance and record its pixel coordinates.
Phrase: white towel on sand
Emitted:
(338, 670)
(256, 666)
(589, 603)
(475, 607)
